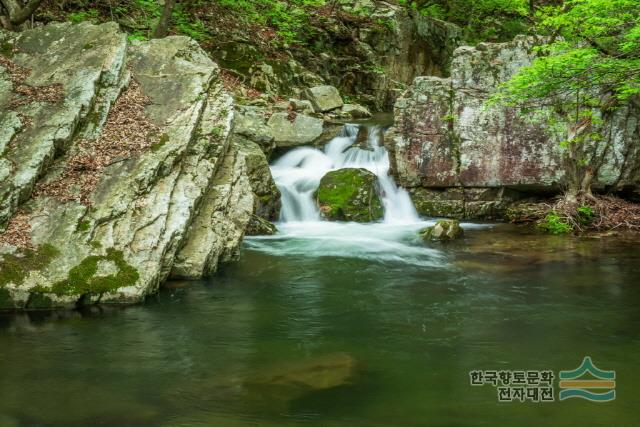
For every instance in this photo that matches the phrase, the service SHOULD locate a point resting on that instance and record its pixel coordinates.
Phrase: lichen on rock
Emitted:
(447, 140)
(133, 152)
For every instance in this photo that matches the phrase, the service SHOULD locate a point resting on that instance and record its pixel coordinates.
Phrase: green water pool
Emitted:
(337, 331)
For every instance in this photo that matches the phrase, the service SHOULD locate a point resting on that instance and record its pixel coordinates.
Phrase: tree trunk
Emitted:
(17, 13)
(579, 175)
(163, 25)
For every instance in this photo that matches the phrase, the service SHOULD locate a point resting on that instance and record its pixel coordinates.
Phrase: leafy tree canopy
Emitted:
(593, 49)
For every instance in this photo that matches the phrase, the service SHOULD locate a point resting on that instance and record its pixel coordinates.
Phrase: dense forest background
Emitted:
(291, 22)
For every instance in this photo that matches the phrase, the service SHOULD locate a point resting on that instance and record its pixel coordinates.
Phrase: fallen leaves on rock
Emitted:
(127, 132)
(18, 232)
(25, 94)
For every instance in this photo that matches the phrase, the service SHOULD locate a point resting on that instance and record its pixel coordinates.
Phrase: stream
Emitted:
(341, 324)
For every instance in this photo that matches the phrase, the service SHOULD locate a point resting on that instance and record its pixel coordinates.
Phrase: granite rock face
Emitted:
(122, 174)
(460, 157)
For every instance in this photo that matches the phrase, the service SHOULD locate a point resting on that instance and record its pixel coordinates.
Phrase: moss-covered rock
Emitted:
(15, 267)
(443, 230)
(350, 195)
(87, 277)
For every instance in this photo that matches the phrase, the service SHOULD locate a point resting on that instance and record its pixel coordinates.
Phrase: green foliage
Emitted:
(289, 18)
(589, 66)
(599, 52)
(553, 223)
(87, 15)
(481, 20)
(585, 214)
(187, 25)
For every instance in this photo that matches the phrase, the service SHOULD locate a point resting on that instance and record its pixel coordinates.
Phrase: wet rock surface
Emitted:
(443, 230)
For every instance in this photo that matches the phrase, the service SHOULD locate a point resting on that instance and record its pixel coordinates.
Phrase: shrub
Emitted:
(553, 223)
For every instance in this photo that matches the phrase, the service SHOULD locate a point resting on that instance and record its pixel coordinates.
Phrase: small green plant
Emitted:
(88, 15)
(585, 214)
(137, 35)
(553, 223)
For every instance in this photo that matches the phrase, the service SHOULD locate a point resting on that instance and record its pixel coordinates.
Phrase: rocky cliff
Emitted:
(117, 169)
(369, 57)
(461, 157)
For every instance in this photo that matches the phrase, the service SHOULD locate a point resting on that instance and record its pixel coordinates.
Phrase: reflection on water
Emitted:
(359, 336)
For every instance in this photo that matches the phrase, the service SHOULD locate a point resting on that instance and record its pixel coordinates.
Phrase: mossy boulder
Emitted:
(443, 230)
(349, 194)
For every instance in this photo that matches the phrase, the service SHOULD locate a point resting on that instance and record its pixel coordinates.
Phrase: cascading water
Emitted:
(297, 174)
(302, 232)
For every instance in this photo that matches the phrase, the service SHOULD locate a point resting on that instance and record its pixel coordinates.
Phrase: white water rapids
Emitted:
(303, 232)
(298, 173)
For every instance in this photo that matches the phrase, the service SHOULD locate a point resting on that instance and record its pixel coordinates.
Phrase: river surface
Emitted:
(342, 325)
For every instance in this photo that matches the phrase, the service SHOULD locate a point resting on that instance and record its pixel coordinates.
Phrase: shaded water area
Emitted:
(314, 329)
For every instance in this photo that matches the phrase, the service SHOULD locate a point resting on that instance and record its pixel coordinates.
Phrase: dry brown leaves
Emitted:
(18, 231)
(127, 132)
(25, 94)
(613, 212)
(230, 80)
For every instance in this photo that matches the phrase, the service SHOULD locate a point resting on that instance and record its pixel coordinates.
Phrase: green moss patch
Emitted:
(84, 225)
(7, 49)
(14, 268)
(349, 195)
(82, 278)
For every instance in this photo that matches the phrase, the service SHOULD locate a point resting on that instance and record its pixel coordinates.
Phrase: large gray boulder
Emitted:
(324, 98)
(49, 81)
(461, 157)
(131, 159)
(251, 123)
(290, 130)
(219, 226)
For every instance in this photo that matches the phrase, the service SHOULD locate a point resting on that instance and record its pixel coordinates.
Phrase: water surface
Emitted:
(390, 326)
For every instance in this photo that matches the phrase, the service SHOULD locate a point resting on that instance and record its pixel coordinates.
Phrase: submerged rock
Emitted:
(324, 98)
(349, 195)
(446, 229)
(294, 380)
(127, 148)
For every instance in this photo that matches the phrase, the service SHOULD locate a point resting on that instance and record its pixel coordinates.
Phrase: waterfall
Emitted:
(297, 174)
